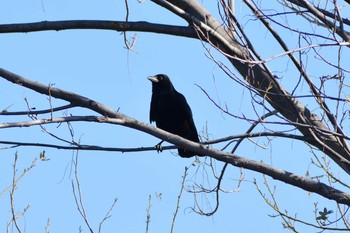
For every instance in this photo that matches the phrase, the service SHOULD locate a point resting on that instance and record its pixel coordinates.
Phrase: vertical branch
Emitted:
(12, 189)
(12, 193)
(128, 45)
(178, 200)
(47, 227)
(148, 214)
(78, 197)
(126, 20)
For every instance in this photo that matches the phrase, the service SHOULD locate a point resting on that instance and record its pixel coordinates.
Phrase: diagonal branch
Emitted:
(265, 83)
(123, 120)
(301, 69)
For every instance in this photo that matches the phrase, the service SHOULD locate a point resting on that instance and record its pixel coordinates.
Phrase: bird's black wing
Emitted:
(185, 124)
(188, 128)
(153, 109)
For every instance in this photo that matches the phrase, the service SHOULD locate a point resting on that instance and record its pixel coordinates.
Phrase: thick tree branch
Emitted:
(265, 83)
(121, 119)
(316, 93)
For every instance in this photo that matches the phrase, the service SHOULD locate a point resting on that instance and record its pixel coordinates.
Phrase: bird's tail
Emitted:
(186, 153)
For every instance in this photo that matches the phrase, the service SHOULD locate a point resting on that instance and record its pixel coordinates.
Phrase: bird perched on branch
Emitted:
(170, 111)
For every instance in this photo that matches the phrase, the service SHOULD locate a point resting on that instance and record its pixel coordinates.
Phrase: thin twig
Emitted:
(148, 213)
(178, 200)
(108, 215)
(218, 187)
(12, 193)
(78, 197)
(47, 227)
(37, 112)
(283, 215)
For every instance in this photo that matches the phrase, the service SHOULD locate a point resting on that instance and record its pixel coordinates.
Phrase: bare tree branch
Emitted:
(107, 216)
(323, 18)
(178, 200)
(78, 196)
(325, 12)
(12, 193)
(12, 189)
(302, 71)
(76, 146)
(37, 112)
(262, 80)
(59, 120)
(265, 83)
(121, 119)
(100, 25)
(148, 212)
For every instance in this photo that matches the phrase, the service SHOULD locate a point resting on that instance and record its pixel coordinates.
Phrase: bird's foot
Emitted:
(159, 147)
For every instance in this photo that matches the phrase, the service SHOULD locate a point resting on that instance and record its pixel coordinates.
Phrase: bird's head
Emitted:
(161, 83)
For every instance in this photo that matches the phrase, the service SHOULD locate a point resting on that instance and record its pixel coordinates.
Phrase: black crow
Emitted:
(170, 111)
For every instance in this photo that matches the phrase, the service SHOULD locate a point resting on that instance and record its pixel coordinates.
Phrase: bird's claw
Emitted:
(158, 147)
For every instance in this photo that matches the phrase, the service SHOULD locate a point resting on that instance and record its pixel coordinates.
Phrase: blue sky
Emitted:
(94, 63)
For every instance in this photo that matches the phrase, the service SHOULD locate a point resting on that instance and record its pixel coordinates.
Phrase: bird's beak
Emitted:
(153, 79)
